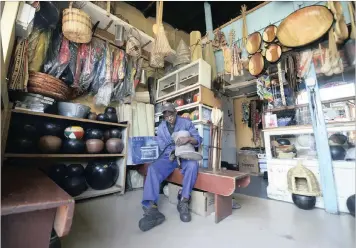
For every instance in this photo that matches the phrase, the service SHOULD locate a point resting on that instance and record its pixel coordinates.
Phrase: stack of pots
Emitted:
(51, 141)
(73, 142)
(113, 141)
(94, 140)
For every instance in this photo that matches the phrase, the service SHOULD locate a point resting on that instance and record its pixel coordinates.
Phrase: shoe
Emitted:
(183, 209)
(151, 218)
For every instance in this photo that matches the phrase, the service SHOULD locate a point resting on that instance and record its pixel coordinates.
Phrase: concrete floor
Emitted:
(112, 221)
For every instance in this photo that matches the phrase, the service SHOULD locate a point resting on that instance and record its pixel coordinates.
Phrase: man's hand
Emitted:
(184, 140)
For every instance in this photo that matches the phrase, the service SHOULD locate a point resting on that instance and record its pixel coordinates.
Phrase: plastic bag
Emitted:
(105, 91)
(82, 55)
(32, 43)
(115, 66)
(95, 55)
(69, 73)
(62, 60)
(120, 89)
(39, 55)
(53, 50)
(138, 68)
(99, 78)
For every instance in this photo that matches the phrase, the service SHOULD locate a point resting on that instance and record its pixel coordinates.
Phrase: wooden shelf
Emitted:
(182, 108)
(34, 155)
(29, 112)
(98, 14)
(89, 193)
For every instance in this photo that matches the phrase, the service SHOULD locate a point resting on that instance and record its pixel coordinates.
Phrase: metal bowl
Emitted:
(73, 109)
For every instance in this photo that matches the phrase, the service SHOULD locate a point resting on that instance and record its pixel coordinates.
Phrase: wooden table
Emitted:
(31, 204)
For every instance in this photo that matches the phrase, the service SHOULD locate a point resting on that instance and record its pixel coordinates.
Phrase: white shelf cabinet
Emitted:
(196, 73)
(344, 171)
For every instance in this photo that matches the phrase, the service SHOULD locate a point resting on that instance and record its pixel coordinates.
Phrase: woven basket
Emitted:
(48, 85)
(76, 25)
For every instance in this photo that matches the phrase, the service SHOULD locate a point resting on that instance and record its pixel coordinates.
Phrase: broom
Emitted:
(161, 45)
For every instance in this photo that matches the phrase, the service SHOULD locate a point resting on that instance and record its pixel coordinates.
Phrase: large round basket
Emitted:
(48, 85)
(76, 25)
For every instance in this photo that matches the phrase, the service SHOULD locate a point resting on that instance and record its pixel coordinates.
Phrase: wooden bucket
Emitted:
(76, 25)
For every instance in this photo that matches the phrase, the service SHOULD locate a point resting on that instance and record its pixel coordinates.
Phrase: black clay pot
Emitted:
(73, 146)
(23, 145)
(52, 129)
(337, 152)
(92, 116)
(26, 130)
(75, 170)
(350, 203)
(57, 173)
(304, 202)
(94, 134)
(75, 185)
(112, 117)
(283, 142)
(102, 117)
(101, 175)
(110, 110)
(115, 133)
(338, 138)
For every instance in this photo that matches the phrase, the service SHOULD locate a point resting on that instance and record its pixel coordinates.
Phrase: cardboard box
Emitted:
(202, 203)
(248, 162)
(143, 149)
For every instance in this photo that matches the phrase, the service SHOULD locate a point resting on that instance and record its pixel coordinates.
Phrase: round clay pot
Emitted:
(102, 117)
(110, 110)
(74, 132)
(112, 117)
(23, 145)
(52, 129)
(92, 116)
(114, 145)
(115, 133)
(94, 145)
(50, 144)
(94, 134)
(73, 146)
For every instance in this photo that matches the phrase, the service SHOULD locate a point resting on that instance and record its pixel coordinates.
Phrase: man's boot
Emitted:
(151, 218)
(183, 209)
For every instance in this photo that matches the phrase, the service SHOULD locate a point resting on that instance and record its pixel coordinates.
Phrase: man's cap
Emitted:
(168, 107)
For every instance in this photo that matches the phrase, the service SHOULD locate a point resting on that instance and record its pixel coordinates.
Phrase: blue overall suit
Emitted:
(163, 167)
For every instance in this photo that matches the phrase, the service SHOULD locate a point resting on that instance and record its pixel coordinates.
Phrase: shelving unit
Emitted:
(28, 112)
(119, 186)
(194, 74)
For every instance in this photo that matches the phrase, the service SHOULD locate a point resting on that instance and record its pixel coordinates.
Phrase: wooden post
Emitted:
(322, 144)
(208, 21)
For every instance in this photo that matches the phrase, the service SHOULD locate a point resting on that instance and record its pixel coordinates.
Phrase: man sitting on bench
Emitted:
(165, 165)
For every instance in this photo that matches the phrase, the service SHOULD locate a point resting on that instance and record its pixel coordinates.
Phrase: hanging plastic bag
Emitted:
(53, 50)
(39, 55)
(82, 55)
(69, 73)
(32, 43)
(115, 66)
(62, 60)
(105, 91)
(138, 72)
(99, 77)
(90, 69)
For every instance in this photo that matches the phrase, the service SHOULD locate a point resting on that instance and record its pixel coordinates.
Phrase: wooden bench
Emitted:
(222, 183)
(31, 204)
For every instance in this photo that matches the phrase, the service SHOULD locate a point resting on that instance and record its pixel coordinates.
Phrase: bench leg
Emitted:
(223, 207)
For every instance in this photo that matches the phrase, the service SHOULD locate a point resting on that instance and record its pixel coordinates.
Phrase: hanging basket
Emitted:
(157, 60)
(76, 25)
(133, 44)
